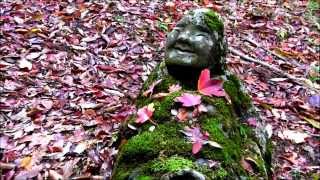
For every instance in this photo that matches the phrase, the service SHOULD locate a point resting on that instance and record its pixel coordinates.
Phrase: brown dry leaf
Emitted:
(246, 165)
(54, 175)
(150, 90)
(159, 95)
(182, 114)
(25, 64)
(26, 162)
(314, 123)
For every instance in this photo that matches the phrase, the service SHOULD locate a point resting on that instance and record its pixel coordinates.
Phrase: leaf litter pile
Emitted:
(70, 72)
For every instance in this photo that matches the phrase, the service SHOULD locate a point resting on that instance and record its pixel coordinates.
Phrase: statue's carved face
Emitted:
(189, 45)
(197, 42)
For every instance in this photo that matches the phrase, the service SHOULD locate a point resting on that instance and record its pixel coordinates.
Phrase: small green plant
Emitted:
(312, 8)
(282, 34)
(162, 26)
(119, 18)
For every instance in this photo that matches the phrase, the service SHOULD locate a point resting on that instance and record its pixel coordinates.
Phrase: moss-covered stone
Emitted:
(166, 153)
(241, 101)
(172, 164)
(213, 21)
(150, 155)
(144, 178)
(165, 138)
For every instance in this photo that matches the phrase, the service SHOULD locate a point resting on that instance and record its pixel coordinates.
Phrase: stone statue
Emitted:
(159, 149)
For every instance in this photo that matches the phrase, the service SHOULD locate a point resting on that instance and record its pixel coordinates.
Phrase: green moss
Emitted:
(172, 164)
(221, 173)
(213, 21)
(163, 107)
(220, 104)
(144, 178)
(151, 154)
(241, 102)
(166, 139)
(157, 74)
(122, 173)
(231, 146)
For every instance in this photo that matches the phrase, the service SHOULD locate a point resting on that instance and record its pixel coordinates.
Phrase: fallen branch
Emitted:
(270, 52)
(299, 81)
(7, 166)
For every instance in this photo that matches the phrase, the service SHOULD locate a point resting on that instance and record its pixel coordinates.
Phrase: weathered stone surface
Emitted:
(165, 153)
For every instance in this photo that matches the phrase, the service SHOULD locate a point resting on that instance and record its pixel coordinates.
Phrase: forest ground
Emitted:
(70, 72)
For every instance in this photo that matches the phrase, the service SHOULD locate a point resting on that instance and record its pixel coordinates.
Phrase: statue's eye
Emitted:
(202, 35)
(177, 29)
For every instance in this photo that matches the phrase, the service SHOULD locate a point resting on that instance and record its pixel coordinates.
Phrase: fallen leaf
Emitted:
(182, 114)
(174, 88)
(145, 113)
(314, 123)
(28, 174)
(202, 108)
(4, 142)
(33, 55)
(295, 136)
(214, 144)
(246, 165)
(314, 101)
(26, 162)
(269, 130)
(132, 127)
(47, 103)
(252, 121)
(160, 95)
(196, 137)
(54, 175)
(150, 90)
(209, 87)
(80, 148)
(189, 100)
(196, 147)
(18, 20)
(25, 64)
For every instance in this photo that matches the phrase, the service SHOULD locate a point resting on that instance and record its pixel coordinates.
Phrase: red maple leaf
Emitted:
(196, 137)
(209, 87)
(189, 100)
(145, 113)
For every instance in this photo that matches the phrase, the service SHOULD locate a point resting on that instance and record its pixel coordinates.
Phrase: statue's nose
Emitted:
(184, 35)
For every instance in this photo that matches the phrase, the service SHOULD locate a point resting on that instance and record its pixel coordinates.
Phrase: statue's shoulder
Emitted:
(239, 96)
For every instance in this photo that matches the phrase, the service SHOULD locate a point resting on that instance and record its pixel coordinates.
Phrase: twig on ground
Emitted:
(7, 166)
(299, 81)
(270, 52)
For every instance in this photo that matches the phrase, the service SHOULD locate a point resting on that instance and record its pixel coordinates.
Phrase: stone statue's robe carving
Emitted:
(196, 43)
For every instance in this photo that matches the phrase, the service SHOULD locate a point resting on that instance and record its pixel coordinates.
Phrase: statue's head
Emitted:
(197, 42)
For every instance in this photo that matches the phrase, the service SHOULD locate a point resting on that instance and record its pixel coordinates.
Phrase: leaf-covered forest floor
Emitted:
(70, 72)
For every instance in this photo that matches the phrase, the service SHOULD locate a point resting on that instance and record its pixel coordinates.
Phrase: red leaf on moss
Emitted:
(196, 147)
(196, 137)
(182, 114)
(145, 113)
(209, 87)
(189, 100)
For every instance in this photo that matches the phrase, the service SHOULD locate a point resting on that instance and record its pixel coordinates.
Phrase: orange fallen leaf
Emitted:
(26, 162)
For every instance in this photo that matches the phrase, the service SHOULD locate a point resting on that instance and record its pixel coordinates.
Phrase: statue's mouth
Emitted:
(183, 48)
